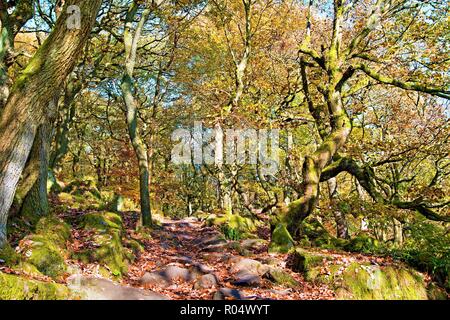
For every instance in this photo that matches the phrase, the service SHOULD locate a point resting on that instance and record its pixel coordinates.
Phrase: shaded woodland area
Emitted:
(224, 149)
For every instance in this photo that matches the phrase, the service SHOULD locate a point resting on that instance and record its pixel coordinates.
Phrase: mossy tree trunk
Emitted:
(340, 125)
(35, 204)
(128, 88)
(334, 67)
(27, 106)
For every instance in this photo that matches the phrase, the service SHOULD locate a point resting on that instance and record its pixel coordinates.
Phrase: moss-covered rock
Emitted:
(54, 229)
(44, 254)
(240, 227)
(365, 282)
(28, 269)
(66, 198)
(305, 261)
(86, 186)
(17, 288)
(361, 281)
(281, 240)
(46, 249)
(82, 194)
(281, 277)
(102, 221)
(108, 249)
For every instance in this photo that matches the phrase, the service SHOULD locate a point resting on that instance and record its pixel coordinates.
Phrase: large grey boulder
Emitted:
(165, 277)
(206, 281)
(250, 266)
(90, 288)
(154, 279)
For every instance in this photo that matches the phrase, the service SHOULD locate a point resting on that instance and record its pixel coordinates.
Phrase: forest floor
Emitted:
(187, 246)
(186, 259)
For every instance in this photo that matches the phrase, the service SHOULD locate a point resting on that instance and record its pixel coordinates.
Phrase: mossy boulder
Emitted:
(66, 198)
(46, 249)
(87, 186)
(108, 249)
(281, 277)
(44, 254)
(54, 229)
(368, 282)
(17, 288)
(242, 226)
(361, 281)
(304, 261)
(281, 240)
(84, 194)
(102, 221)
(28, 269)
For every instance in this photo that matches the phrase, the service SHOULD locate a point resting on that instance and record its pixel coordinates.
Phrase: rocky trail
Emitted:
(96, 254)
(185, 259)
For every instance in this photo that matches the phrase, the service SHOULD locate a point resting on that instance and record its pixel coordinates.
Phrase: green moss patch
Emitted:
(236, 226)
(281, 240)
(103, 221)
(365, 282)
(46, 249)
(281, 277)
(9, 256)
(108, 249)
(17, 288)
(360, 281)
(304, 261)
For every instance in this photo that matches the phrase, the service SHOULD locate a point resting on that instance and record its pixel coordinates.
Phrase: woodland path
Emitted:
(185, 259)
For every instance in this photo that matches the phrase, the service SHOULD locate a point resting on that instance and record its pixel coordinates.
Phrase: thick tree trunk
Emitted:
(35, 204)
(313, 166)
(28, 104)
